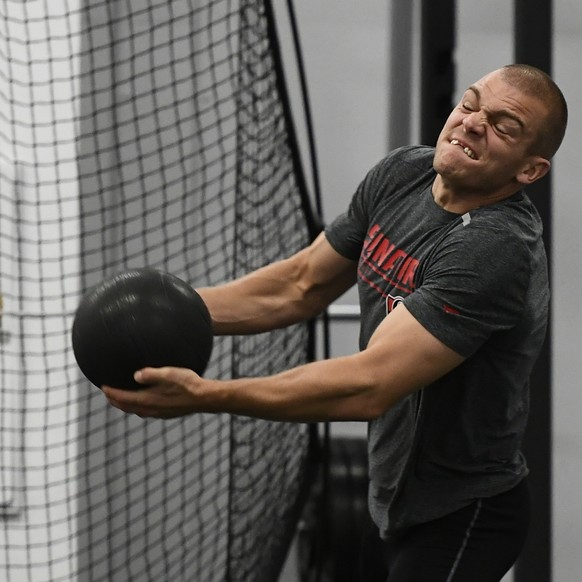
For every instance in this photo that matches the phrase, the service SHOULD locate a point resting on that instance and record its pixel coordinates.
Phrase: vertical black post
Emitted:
(437, 82)
(400, 73)
(533, 46)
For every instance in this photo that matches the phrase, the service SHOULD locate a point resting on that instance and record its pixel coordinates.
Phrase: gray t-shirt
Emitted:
(479, 283)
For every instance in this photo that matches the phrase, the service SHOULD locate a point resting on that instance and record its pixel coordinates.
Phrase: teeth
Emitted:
(468, 151)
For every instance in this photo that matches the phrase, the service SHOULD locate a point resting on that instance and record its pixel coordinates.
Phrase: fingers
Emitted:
(136, 402)
(123, 399)
(165, 393)
(165, 375)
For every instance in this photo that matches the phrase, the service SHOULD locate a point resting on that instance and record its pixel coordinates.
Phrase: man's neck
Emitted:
(459, 201)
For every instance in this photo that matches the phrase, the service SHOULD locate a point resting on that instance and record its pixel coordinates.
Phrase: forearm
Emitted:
(264, 300)
(400, 358)
(282, 293)
(328, 390)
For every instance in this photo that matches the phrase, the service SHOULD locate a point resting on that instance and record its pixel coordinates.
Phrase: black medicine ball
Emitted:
(140, 318)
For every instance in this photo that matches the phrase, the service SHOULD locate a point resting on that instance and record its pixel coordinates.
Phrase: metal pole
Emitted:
(533, 46)
(400, 73)
(438, 72)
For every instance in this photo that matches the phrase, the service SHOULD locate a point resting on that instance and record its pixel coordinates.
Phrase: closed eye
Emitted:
(507, 126)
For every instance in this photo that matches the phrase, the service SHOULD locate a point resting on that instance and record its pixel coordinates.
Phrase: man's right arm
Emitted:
(282, 293)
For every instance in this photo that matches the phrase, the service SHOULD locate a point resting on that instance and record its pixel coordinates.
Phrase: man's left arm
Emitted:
(401, 357)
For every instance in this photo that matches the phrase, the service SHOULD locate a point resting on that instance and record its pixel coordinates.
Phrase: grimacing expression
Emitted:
(485, 143)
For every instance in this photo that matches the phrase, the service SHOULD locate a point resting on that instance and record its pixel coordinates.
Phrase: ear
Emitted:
(536, 168)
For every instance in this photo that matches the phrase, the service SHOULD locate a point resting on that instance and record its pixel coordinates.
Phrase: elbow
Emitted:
(373, 412)
(374, 405)
(378, 396)
(358, 406)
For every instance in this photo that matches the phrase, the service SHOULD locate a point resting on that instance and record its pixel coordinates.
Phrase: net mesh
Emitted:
(140, 133)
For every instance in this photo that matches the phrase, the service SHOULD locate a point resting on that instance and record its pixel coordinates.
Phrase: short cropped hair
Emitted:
(534, 82)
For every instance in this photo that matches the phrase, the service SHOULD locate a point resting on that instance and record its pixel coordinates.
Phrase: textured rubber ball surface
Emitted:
(140, 318)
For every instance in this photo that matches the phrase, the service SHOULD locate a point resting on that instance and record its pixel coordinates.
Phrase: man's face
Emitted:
(484, 145)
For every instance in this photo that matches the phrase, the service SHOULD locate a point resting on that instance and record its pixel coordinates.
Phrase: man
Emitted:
(447, 253)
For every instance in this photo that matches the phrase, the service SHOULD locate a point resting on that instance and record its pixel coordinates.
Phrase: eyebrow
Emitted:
(502, 112)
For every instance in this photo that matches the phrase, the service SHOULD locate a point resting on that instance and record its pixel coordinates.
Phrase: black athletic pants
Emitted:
(478, 543)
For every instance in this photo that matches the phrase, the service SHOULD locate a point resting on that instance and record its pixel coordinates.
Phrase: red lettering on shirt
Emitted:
(393, 264)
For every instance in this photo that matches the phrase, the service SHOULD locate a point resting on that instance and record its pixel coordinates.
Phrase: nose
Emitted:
(474, 122)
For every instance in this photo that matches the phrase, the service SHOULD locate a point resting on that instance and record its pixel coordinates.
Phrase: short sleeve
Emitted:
(473, 285)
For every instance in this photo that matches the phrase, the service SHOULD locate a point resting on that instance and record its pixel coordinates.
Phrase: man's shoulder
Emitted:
(403, 167)
(405, 163)
(516, 216)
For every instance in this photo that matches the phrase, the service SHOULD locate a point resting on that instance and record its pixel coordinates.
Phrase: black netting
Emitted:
(140, 133)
